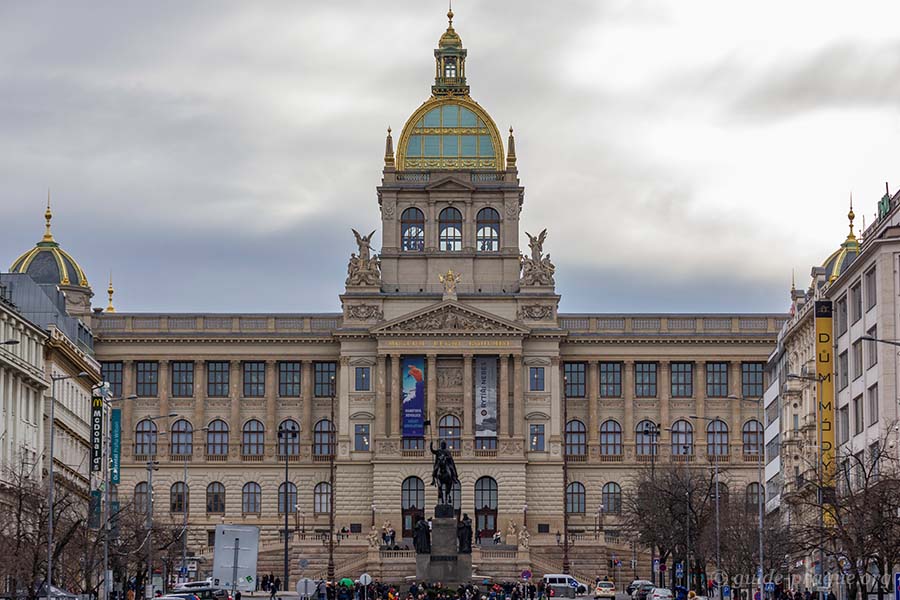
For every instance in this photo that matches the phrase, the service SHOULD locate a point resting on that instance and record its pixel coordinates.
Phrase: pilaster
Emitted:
(518, 398)
(395, 395)
(431, 389)
(468, 399)
(306, 387)
(234, 380)
(665, 396)
(271, 385)
(380, 429)
(199, 395)
(127, 405)
(593, 385)
(163, 390)
(503, 416)
(342, 383)
(556, 394)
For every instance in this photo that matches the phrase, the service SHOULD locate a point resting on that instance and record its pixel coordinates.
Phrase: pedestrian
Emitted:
(265, 583)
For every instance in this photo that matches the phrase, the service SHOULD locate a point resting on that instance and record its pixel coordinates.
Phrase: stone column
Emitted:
(593, 385)
(396, 401)
(342, 385)
(665, 393)
(199, 395)
(468, 399)
(128, 389)
(556, 396)
(628, 423)
(271, 389)
(235, 426)
(381, 415)
(503, 401)
(166, 423)
(306, 389)
(518, 398)
(700, 390)
(431, 389)
(735, 430)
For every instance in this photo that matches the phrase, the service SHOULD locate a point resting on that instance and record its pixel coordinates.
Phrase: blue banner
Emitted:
(115, 445)
(413, 377)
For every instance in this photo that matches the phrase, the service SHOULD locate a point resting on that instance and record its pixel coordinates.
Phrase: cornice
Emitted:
(163, 338)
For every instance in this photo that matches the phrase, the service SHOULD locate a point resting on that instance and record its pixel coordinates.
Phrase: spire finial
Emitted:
(793, 283)
(389, 149)
(450, 13)
(110, 291)
(851, 215)
(511, 150)
(48, 215)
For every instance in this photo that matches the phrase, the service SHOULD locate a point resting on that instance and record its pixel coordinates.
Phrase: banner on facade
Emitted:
(825, 391)
(94, 514)
(115, 445)
(413, 389)
(485, 397)
(96, 434)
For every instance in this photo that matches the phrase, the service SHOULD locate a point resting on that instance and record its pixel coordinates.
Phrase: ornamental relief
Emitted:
(146, 403)
(253, 402)
(449, 399)
(676, 404)
(181, 404)
(449, 377)
(535, 312)
(365, 312)
(283, 404)
(388, 448)
(646, 403)
(450, 319)
(513, 210)
(510, 447)
(218, 402)
(387, 209)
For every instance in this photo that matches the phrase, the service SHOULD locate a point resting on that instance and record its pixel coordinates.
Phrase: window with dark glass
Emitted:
(253, 438)
(141, 498)
(217, 379)
(412, 443)
(537, 437)
(487, 229)
(182, 379)
(872, 347)
(361, 437)
(610, 380)
(449, 430)
(717, 379)
(322, 498)
(752, 437)
(611, 498)
(843, 369)
(682, 438)
(147, 373)
(289, 379)
(288, 438)
(646, 438)
(363, 379)
(575, 498)
(287, 498)
(251, 498)
(574, 373)
(215, 498)
(450, 230)
(682, 379)
(182, 438)
(325, 373)
(610, 438)
(145, 436)
(841, 315)
(871, 288)
(323, 438)
(412, 230)
(856, 302)
(536, 379)
(753, 497)
(645, 379)
(717, 438)
(484, 443)
(217, 438)
(254, 379)
(576, 438)
(112, 374)
(178, 497)
(752, 379)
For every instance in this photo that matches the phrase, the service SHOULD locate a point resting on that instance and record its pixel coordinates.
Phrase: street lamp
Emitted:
(283, 435)
(525, 516)
(565, 457)
(331, 452)
(152, 465)
(760, 451)
(53, 380)
(716, 467)
(373, 514)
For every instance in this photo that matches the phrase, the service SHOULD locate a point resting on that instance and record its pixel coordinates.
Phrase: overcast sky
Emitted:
(685, 156)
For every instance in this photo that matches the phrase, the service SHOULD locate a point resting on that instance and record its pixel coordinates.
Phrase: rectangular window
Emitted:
(112, 374)
(254, 379)
(871, 289)
(843, 370)
(147, 376)
(717, 379)
(482, 443)
(858, 423)
(682, 379)
(645, 379)
(361, 438)
(856, 302)
(796, 422)
(574, 374)
(182, 379)
(363, 379)
(325, 378)
(872, 348)
(752, 379)
(843, 424)
(611, 380)
(217, 379)
(413, 443)
(872, 401)
(857, 350)
(536, 379)
(289, 379)
(537, 437)
(842, 316)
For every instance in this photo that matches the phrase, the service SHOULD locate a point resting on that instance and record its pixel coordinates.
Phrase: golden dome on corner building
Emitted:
(841, 259)
(48, 263)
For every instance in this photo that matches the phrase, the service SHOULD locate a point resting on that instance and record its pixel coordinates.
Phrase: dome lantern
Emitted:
(450, 64)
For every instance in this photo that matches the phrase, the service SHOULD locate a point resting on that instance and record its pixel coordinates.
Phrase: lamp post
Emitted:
(152, 465)
(653, 433)
(331, 452)
(525, 516)
(687, 528)
(53, 380)
(716, 468)
(565, 457)
(373, 514)
(283, 435)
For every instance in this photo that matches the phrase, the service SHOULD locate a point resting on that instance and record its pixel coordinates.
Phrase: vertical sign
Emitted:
(485, 397)
(96, 434)
(413, 376)
(94, 514)
(115, 445)
(825, 377)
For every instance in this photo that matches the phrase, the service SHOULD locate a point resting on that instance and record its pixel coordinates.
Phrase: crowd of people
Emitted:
(417, 591)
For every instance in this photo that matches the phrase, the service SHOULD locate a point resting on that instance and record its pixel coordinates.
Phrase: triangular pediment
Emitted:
(450, 317)
(449, 184)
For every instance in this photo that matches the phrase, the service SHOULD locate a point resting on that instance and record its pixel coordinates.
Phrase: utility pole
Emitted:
(565, 456)
(332, 442)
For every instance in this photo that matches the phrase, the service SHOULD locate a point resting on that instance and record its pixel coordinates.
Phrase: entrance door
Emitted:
(485, 507)
(412, 504)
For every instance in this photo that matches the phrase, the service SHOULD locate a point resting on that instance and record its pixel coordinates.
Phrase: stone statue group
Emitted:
(422, 536)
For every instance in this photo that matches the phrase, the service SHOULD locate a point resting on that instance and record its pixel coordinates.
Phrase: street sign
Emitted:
(679, 570)
(304, 563)
(526, 574)
(573, 583)
(183, 571)
(656, 565)
(896, 586)
(726, 591)
(365, 579)
(662, 568)
(306, 587)
(115, 445)
(770, 586)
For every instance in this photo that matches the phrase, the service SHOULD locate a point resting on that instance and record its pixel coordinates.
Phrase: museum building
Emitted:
(447, 333)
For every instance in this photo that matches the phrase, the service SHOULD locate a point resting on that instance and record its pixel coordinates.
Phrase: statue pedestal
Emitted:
(445, 564)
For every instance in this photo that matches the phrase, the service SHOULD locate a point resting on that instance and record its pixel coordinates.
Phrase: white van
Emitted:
(560, 585)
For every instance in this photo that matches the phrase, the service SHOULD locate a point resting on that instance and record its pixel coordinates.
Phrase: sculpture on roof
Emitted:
(364, 269)
(537, 269)
(449, 281)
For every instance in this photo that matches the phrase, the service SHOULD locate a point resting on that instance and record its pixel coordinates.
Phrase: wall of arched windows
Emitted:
(450, 232)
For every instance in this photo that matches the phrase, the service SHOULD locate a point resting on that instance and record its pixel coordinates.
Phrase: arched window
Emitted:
(753, 497)
(412, 230)
(450, 67)
(723, 493)
(611, 498)
(182, 438)
(412, 503)
(287, 498)
(646, 438)
(251, 498)
(682, 438)
(450, 230)
(141, 498)
(217, 438)
(485, 507)
(178, 497)
(575, 502)
(449, 431)
(323, 438)
(576, 438)
(487, 230)
(253, 438)
(215, 498)
(752, 438)
(717, 438)
(322, 497)
(611, 438)
(145, 436)
(289, 438)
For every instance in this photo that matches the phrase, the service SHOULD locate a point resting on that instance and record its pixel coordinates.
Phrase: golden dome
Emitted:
(839, 260)
(450, 39)
(48, 263)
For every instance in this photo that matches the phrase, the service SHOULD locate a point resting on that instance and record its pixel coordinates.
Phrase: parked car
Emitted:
(605, 589)
(642, 591)
(560, 585)
(203, 590)
(658, 593)
(634, 584)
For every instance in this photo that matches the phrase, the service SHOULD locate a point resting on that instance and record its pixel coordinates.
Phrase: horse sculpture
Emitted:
(443, 474)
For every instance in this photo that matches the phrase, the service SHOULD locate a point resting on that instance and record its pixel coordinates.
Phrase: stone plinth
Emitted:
(445, 564)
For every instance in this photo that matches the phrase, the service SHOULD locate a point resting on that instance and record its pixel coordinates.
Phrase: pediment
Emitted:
(450, 317)
(449, 184)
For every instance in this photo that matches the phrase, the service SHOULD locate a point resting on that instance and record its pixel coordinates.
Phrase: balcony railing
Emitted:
(576, 458)
(751, 458)
(290, 457)
(216, 457)
(611, 458)
(252, 457)
(181, 457)
(321, 458)
(682, 458)
(413, 452)
(486, 453)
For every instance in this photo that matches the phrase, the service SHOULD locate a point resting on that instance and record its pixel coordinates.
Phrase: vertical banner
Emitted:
(96, 434)
(412, 373)
(94, 514)
(114, 520)
(825, 391)
(486, 396)
(115, 445)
